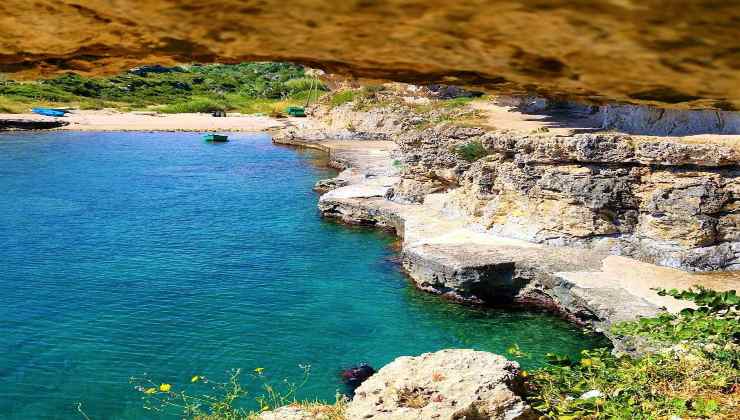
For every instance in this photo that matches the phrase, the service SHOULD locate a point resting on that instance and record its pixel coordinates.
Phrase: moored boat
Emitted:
(215, 138)
(296, 111)
(50, 112)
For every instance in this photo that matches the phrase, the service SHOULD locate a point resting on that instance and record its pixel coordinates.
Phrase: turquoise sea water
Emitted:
(130, 253)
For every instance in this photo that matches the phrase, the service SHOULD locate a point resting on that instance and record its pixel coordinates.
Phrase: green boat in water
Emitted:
(215, 138)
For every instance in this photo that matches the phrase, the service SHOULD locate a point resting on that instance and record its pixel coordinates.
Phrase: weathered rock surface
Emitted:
(449, 384)
(679, 55)
(663, 200)
(668, 122)
(444, 254)
(289, 413)
(297, 412)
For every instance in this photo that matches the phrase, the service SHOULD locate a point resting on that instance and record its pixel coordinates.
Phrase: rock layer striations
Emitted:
(681, 54)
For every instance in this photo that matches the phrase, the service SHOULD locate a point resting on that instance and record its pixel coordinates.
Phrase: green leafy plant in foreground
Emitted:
(206, 399)
(695, 375)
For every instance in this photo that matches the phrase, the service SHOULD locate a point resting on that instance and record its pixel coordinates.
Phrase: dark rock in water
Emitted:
(218, 114)
(356, 375)
(22, 124)
(326, 185)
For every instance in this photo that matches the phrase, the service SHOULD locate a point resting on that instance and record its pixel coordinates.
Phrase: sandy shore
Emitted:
(108, 120)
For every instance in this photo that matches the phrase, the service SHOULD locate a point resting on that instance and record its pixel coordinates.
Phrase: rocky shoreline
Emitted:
(444, 256)
(437, 204)
(408, 181)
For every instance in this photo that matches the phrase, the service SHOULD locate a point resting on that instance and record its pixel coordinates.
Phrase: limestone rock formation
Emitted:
(663, 200)
(671, 201)
(683, 54)
(676, 209)
(449, 384)
(289, 413)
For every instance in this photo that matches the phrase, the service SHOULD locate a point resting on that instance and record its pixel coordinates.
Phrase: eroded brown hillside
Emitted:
(680, 53)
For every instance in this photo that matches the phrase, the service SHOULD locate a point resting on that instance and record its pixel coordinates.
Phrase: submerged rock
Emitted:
(356, 375)
(448, 384)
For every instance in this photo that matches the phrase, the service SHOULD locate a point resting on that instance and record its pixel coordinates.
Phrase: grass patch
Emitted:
(10, 105)
(304, 84)
(343, 97)
(471, 151)
(194, 105)
(456, 102)
(205, 399)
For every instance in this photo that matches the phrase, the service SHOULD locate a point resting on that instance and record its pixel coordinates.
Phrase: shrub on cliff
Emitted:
(343, 97)
(471, 151)
(696, 374)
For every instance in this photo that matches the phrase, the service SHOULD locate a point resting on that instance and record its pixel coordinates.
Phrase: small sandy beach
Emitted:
(109, 120)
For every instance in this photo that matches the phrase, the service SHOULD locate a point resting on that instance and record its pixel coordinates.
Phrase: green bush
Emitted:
(195, 105)
(303, 84)
(695, 375)
(36, 91)
(455, 102)
(196, 88)
(343, 97)
(471, 151)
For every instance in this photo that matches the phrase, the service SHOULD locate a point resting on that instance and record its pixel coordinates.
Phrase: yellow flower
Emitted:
(587, 362)
(194, 379)
(259, 370)
(150, 391)
(524, 374)
(165, 387)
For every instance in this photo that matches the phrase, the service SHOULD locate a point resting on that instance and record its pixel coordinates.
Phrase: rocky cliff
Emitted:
(671, 201)
(660, 200)
(681, 54)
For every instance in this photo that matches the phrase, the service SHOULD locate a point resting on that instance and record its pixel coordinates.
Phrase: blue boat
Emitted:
(50, 112)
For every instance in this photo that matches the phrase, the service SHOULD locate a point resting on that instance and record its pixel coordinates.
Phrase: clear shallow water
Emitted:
(131, 253)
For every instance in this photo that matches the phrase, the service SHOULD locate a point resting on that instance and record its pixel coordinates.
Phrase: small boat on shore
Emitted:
(296, 111)
(215, 138)
(50, 112)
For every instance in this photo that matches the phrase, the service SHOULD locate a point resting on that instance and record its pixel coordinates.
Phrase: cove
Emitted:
(132, 253)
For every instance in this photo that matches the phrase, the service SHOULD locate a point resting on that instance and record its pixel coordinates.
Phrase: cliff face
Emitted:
(683, 54)
(671, 201)
(660, 201)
